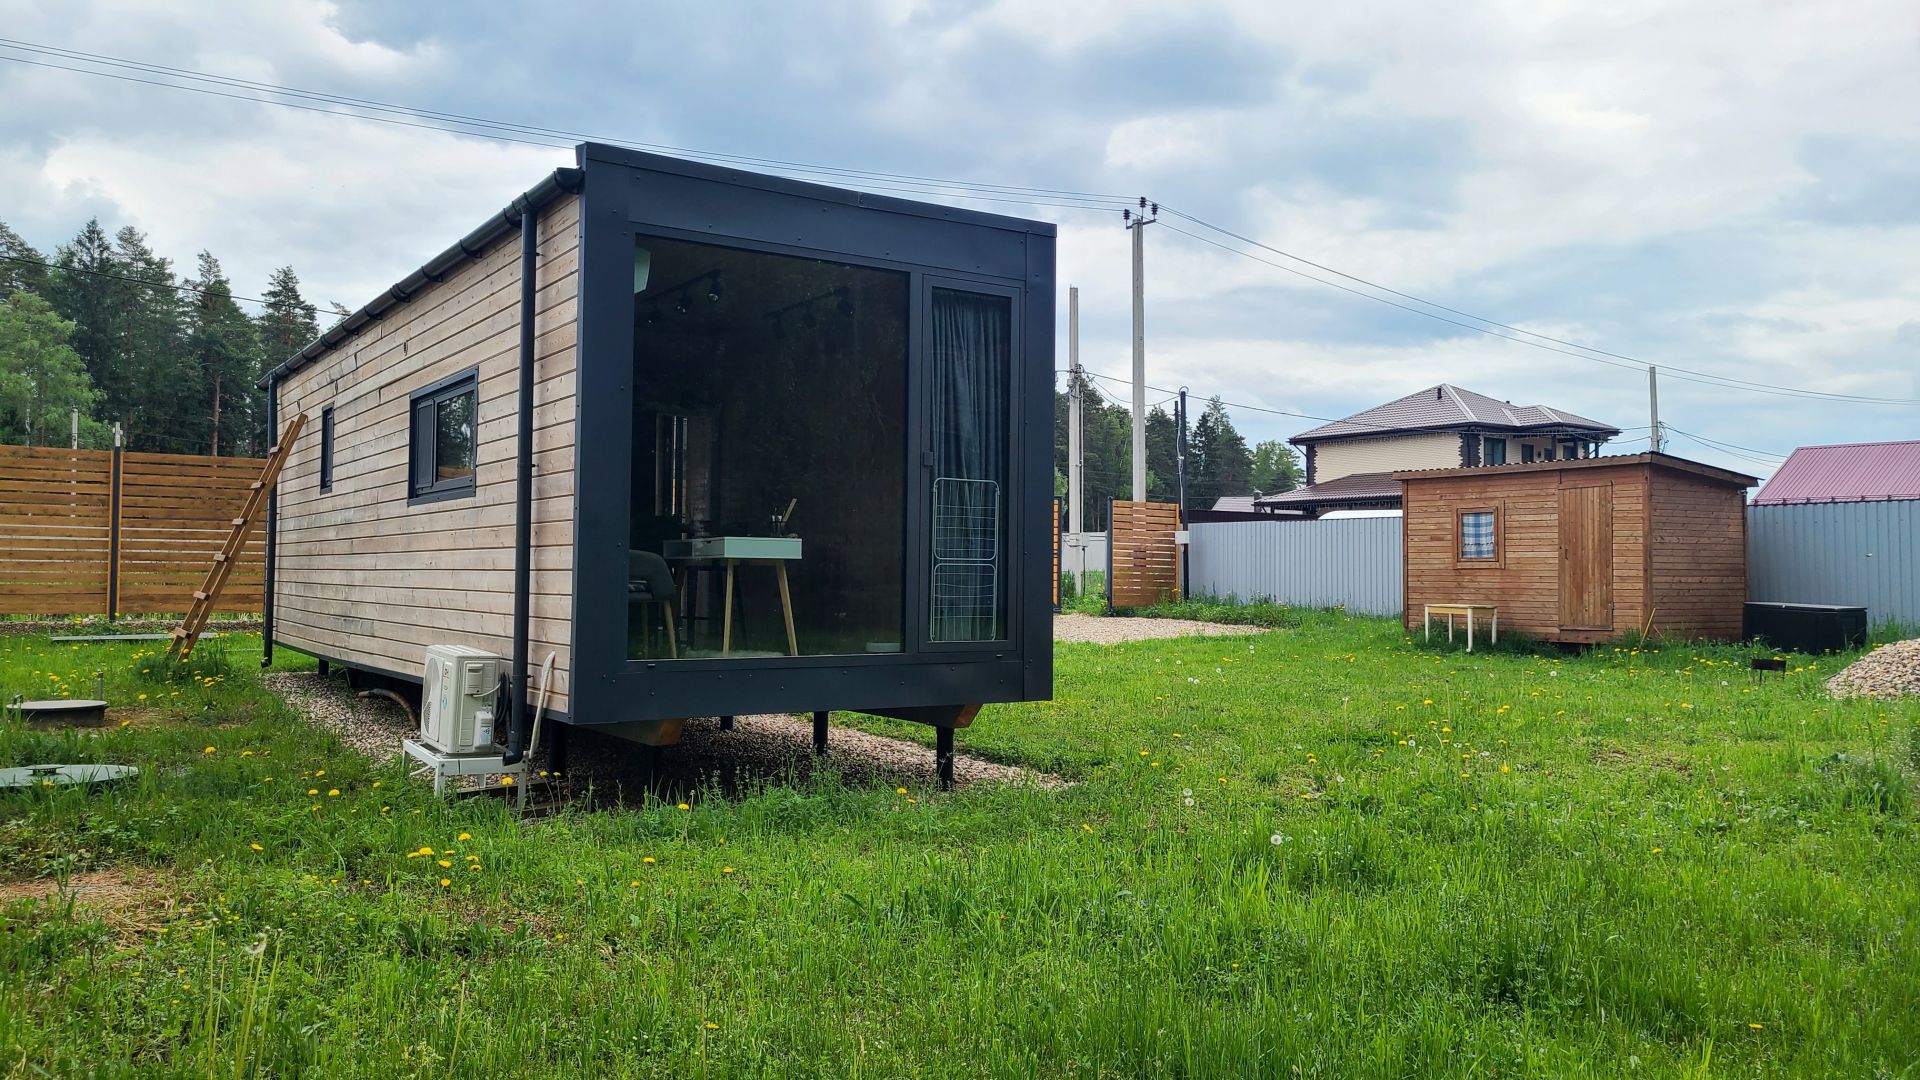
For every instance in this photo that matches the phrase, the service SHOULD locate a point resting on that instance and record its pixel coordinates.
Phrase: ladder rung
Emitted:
(239, 521)
(220, 557)
(198, 595)
(255, 486)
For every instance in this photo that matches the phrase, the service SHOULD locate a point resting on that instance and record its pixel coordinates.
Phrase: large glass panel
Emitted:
(970, 350)
(769, 455)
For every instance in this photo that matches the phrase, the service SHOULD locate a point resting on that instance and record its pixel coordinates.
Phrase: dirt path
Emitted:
(1111, 629)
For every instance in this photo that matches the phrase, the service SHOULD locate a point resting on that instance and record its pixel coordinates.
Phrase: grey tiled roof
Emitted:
(1446, 407)
(1359, 487)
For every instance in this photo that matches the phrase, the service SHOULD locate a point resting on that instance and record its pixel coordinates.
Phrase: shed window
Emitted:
(441, 446)
(326, 449)
(1478, 538)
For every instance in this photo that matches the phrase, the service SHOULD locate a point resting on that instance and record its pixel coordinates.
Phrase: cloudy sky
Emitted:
(1725, 187)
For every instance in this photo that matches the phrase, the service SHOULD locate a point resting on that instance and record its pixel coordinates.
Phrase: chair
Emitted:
(649, 581)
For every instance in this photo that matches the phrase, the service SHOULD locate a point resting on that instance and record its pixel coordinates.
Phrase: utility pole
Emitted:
(1137, 223)
(76, 427)
(1076, 447)
(1659, 441)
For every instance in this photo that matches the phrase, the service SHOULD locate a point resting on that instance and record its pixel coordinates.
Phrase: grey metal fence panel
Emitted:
(1859, 554)
(1353, 563)
(1084, 552)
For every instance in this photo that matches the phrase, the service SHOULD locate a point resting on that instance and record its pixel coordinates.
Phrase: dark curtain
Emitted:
(971, 346)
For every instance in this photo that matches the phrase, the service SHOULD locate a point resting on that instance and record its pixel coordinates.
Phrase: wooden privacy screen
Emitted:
(102, 532)
(1143, 559)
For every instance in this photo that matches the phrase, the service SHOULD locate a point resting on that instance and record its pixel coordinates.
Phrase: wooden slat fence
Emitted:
(1143, 555)
(107, 532)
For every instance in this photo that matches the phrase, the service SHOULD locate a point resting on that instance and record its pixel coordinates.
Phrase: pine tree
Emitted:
(289, 322)
(226, 351)
(1163, 467)
(21, 267)
(1218, 462)
(41, 378)
(155, 389)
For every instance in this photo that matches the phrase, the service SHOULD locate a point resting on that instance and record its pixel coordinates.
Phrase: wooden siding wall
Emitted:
(1698, 559)
(364, 577)
(1526, 583)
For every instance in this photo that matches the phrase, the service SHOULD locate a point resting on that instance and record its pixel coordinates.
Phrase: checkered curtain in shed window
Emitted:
(1476, 535)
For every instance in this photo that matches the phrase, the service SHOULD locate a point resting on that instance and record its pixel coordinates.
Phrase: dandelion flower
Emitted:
(1657, 851)
(333, 792)
(445, 881)
(464, 836)
(683, 806)
(207, 750)
(634, 884)
(444, 863)
(899, 791)
(1276, 839)
(649, 860)
(726, 869)
(1757, 1027)
(256, 847)
(319, 772)
(1086, 826)
(711, 1026)
(313, 791)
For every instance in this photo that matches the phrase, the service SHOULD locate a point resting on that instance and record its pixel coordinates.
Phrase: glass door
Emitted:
(970, 371)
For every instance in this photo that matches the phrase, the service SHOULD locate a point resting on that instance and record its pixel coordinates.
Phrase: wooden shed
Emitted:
(1583, 550)
(717, 442)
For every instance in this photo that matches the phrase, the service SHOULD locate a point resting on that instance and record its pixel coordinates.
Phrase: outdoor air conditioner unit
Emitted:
(456, 707)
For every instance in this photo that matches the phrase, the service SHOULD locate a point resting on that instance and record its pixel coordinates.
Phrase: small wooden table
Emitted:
(1469, 610)
(729, 553)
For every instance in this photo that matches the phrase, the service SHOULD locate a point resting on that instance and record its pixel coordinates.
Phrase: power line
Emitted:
(455, 123)
(1631, 363)
(1731, 448)
(275, 88)
(185, 288)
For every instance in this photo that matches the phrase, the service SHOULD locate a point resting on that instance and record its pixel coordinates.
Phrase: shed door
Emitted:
(1586, 557)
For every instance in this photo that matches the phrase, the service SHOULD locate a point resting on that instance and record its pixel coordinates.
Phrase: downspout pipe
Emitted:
(273, 529)
(519, 730)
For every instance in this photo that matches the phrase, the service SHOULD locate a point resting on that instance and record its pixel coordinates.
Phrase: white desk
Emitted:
(730, 553)
(1469, 610)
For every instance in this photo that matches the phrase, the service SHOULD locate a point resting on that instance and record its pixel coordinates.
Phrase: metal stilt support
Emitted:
(820, 733)
(943, 756)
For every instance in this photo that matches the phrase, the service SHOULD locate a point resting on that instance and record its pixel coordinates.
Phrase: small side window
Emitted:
(1479, 536)
(1495, 452)
(326, 449)
(441, 440)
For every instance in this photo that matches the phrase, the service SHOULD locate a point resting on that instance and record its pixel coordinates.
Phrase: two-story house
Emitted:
(1350, 462)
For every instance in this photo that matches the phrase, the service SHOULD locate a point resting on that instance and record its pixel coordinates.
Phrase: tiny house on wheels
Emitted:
(716, 442)
(1581, 550)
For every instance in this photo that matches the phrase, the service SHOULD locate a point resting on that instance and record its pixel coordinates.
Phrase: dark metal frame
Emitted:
(628, 194)
(431, 396)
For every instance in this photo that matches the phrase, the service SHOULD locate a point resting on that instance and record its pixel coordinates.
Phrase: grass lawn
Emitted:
(1323, 850)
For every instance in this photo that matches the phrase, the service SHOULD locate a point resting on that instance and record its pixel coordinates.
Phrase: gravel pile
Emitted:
(1112, 629)
(372, 726)
(759, 749)
(1888, 671)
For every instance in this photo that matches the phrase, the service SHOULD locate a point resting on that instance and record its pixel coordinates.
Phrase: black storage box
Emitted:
(1807, 628)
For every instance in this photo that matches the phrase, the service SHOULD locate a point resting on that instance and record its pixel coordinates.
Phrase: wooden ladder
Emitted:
(208, 594)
